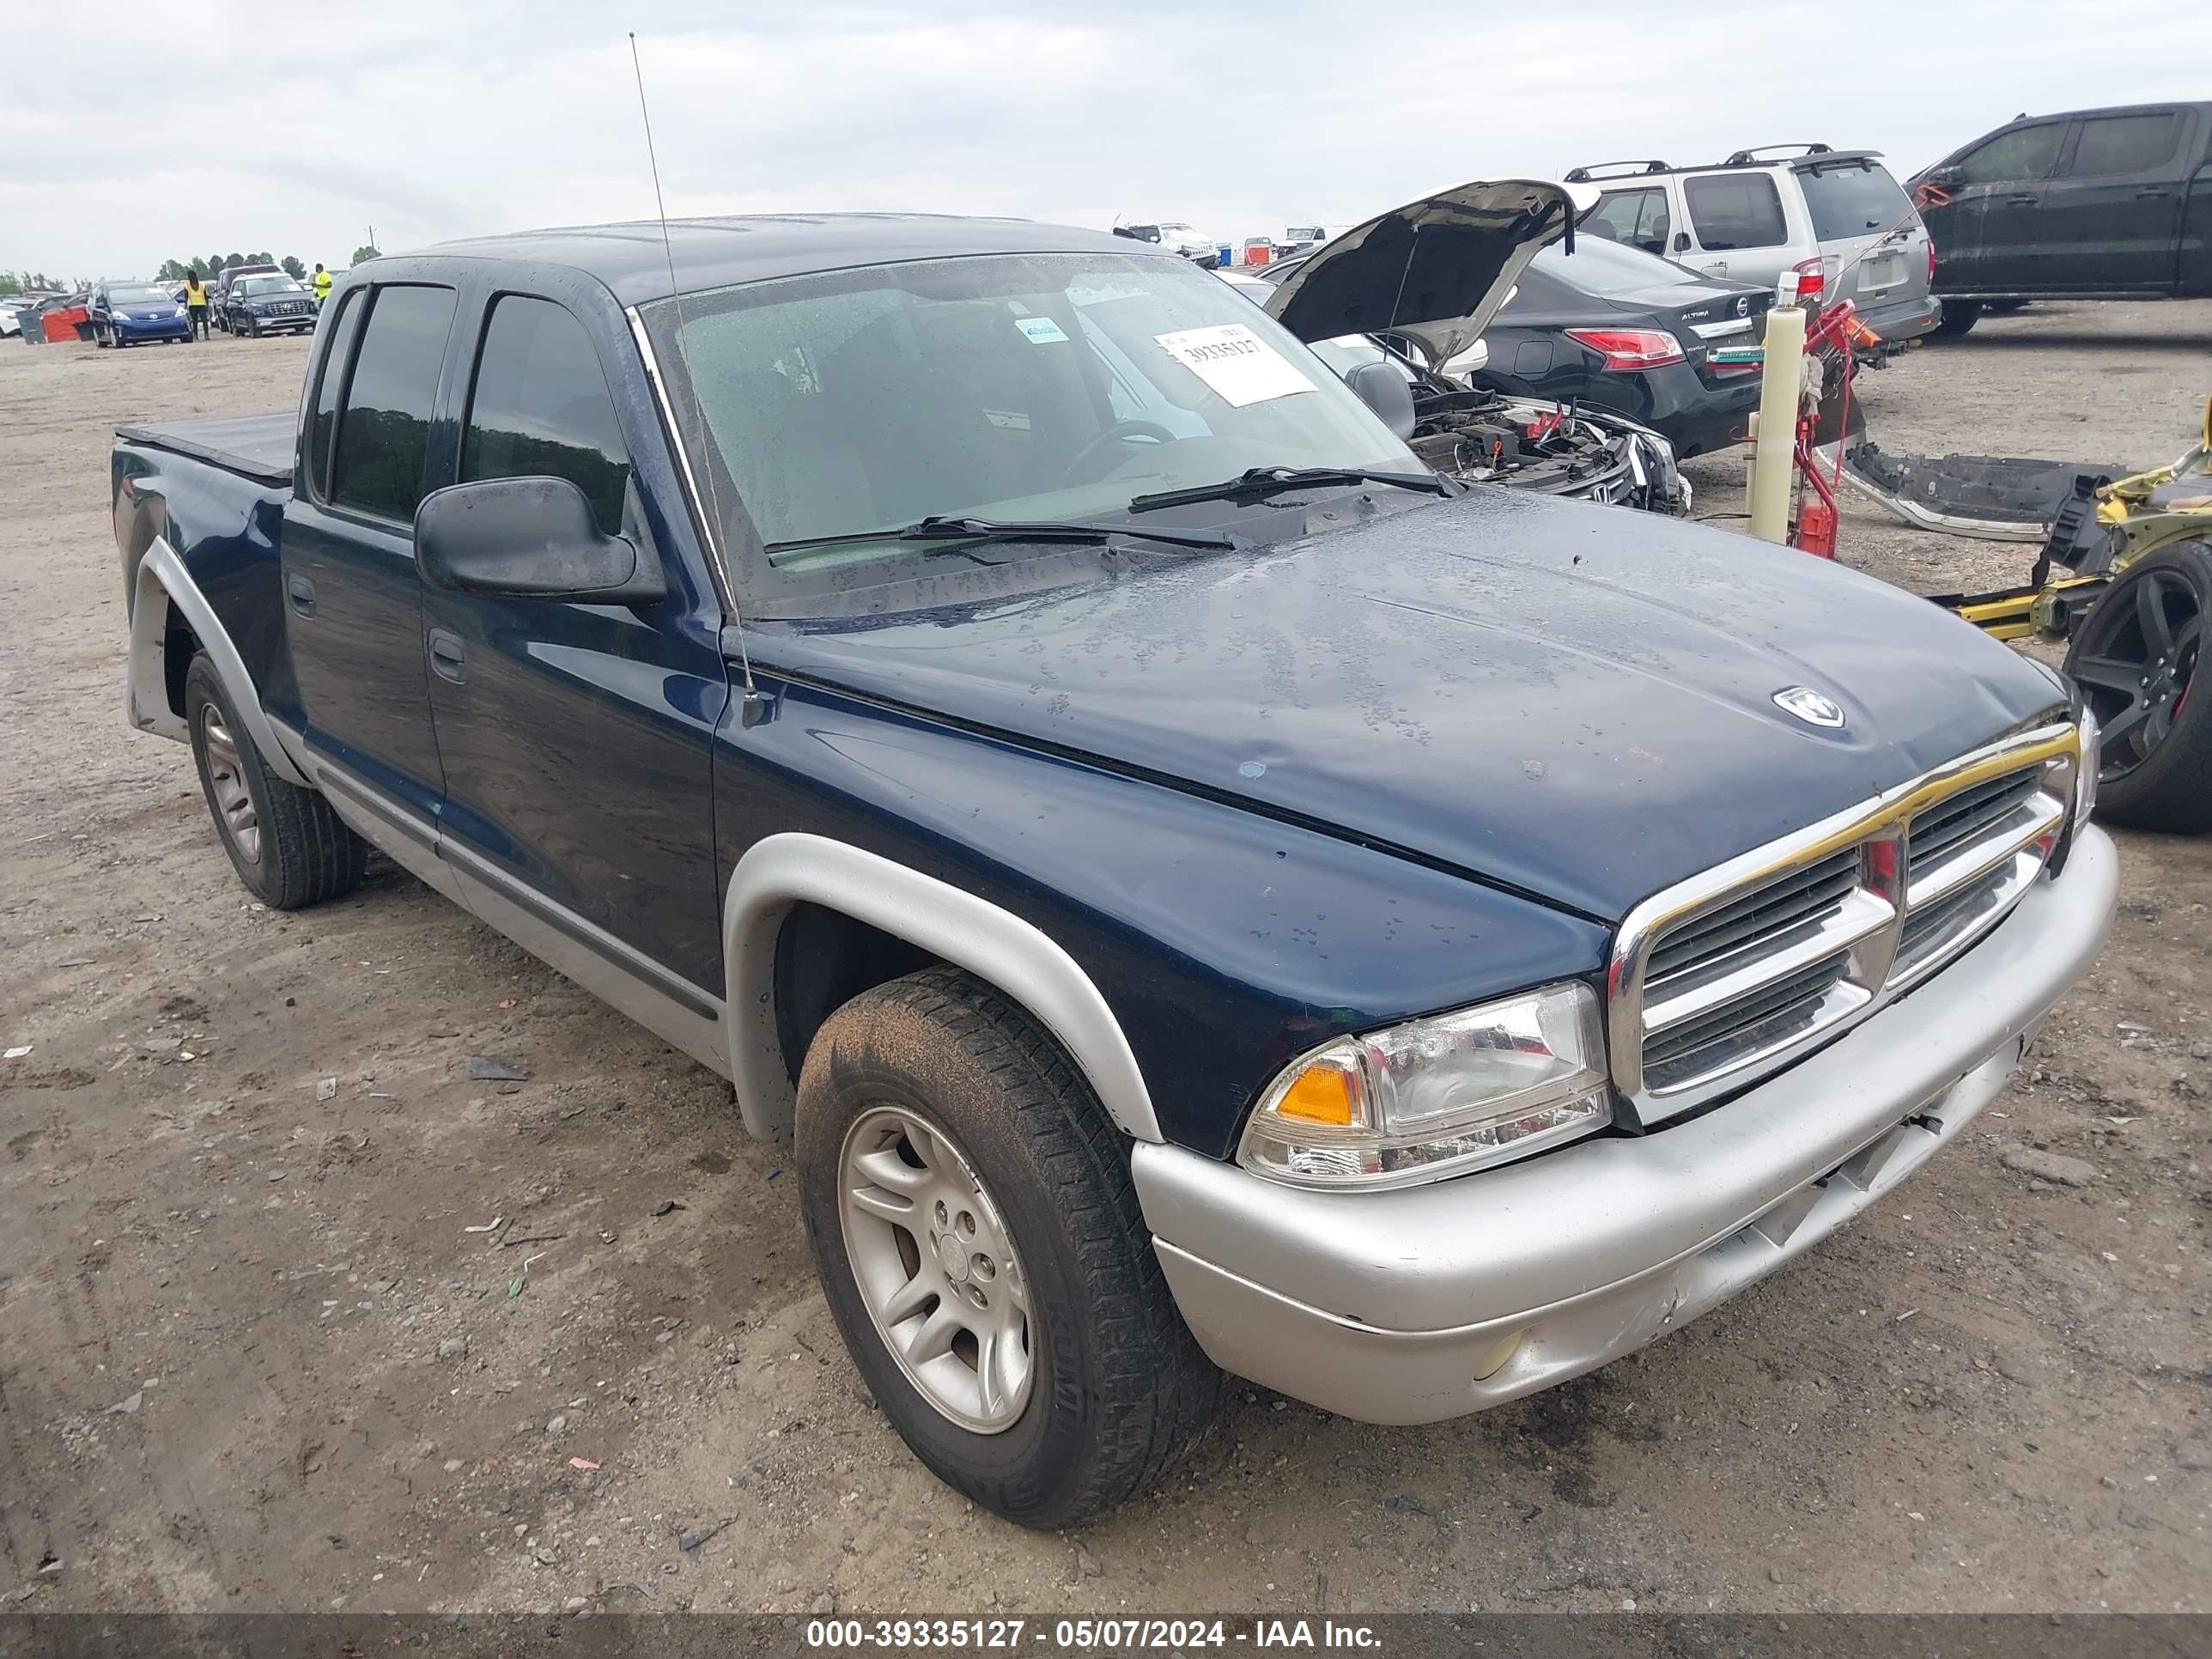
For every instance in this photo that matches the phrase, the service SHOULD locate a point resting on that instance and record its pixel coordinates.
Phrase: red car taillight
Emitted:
(1812, 279)
(1629, 348)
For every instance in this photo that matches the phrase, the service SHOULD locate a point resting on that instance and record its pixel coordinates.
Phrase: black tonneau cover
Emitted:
(258, 447)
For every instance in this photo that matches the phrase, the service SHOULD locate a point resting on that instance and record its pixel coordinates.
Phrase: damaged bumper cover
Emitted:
(1429, 1302)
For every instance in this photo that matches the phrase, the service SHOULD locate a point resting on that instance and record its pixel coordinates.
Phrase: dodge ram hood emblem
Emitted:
(1809, 706)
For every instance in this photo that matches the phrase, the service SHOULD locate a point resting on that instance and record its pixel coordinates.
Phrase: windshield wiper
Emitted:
(1257, 481)
(970, 530)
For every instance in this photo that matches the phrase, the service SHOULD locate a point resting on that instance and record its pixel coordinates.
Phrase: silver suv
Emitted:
(1836, 212)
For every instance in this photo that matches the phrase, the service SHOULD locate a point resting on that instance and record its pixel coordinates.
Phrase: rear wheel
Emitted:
(288, 846)
(2136, 659)
(977, 1236)
(1958, 318)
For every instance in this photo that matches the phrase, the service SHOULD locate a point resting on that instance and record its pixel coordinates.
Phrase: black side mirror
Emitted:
(1383, 389)
(528, 538)
(1682, 242)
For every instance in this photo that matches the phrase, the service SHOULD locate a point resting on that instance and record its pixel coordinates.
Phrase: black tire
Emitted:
(304, 852)
(1958, 318)
(2137, 659)
(254, 328)
(1118, 1388)
(99, 338)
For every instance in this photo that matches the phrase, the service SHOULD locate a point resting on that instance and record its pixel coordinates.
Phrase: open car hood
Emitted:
(1436, 269)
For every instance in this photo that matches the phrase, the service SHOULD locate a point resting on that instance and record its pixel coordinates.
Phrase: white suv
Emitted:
(1836, 213)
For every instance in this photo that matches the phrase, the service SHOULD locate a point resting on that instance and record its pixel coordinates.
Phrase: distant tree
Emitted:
(173, 270)
(363, 254)
(9, 284)
(215, 264)
(293, 268)
(261, 259)
(236, 259)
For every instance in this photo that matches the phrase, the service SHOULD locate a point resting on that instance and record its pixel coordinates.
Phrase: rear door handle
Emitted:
(2155, 193)
(301, 592)
(449, 657)
(2022, 201)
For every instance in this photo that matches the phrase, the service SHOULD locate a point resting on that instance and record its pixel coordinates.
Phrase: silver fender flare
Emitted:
(163, 581)
(994, 945)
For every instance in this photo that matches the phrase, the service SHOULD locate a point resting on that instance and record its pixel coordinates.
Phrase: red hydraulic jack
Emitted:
(1825, 413)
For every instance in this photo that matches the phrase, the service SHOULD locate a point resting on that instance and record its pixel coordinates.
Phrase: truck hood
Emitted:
(1560, 699)
(1436, 269)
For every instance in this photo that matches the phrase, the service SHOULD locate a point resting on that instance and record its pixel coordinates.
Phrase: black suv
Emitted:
(2095, 205)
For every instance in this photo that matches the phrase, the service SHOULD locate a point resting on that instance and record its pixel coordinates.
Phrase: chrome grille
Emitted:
(1729, 976)
(1780, 1011)
(1748, 924)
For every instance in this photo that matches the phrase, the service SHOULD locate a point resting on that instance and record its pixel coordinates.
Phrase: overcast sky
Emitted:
(130, 133)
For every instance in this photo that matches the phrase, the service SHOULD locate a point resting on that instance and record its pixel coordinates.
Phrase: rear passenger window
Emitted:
(541, 408)
(2014, 157)
(384, 433)
(1638, 217)
(1735, 211)
(342, 328)
(2118, 144)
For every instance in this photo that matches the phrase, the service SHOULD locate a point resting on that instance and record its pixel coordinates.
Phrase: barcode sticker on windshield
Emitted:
(1040, 331)
(1237, 363)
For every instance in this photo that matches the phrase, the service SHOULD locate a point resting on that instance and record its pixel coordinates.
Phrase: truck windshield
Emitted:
(1853, 198)
(1049, 387)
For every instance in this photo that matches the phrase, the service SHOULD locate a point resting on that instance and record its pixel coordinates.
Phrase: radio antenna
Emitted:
(698, 408)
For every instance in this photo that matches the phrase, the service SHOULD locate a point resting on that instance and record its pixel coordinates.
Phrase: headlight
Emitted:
(1436, 1096)
(2085, 775)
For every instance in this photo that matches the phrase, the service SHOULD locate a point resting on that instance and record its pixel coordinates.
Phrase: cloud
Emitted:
(433, 120)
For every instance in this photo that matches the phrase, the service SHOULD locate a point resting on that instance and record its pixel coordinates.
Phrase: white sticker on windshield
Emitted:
(1040, 331)
(1236, 362)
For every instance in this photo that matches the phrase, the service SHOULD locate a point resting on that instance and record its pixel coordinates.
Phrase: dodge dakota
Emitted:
(1197, 890)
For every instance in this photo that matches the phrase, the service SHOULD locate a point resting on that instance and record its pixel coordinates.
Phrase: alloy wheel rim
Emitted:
(936, 1267)
(2136, 666)
(233, 802)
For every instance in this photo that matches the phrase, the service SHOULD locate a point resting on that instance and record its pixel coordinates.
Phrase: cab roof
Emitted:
(718, 253)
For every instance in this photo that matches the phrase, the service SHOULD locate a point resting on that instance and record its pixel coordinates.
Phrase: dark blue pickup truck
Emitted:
(1198, 891)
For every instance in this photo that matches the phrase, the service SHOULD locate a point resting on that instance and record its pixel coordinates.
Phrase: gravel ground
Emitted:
(252, 1355)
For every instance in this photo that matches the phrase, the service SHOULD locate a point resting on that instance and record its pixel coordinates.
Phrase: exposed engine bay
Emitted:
(1483, 437)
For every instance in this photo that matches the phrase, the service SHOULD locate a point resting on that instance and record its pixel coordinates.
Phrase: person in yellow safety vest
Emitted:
(196, 307)
(322, 285)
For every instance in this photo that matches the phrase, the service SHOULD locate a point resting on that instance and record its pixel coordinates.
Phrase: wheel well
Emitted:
(179, 645)
(823, 959)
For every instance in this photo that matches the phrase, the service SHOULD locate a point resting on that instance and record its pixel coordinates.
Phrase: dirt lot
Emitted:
(258, 1352)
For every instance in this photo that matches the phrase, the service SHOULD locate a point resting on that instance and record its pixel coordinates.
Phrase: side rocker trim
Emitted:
(995, 945)
(163, 581)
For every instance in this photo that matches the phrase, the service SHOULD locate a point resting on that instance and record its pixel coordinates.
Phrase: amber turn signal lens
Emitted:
(1320, 1094)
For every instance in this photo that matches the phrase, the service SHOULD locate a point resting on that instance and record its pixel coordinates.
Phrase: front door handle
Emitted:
(2022, 201)
(301, 594)
(2153, 193)
(449, 657)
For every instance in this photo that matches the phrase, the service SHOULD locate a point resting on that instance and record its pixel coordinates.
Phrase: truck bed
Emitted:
(258, 447)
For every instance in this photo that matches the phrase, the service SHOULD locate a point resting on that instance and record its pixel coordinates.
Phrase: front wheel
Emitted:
(288, 846)
(976, 1232)
(2136, 660)
(1958, 318)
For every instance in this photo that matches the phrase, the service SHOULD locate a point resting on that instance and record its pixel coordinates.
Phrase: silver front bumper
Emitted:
(1429, 1302)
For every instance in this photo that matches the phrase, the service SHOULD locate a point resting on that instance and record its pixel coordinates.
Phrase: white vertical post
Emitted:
(1781, 379)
